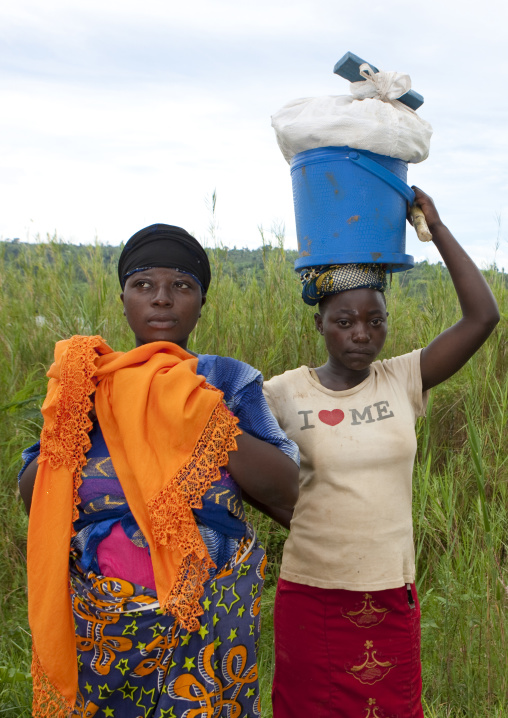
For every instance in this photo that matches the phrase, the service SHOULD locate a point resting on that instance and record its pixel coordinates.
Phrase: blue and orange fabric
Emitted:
(241, 385)
(103, 504)
(134, 660)
(108, 537)
(168, 432)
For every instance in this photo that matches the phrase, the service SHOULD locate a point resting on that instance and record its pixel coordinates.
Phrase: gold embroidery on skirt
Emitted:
(368, 614)
(370, 670)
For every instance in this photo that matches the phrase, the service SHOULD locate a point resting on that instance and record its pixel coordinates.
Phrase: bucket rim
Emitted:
(327, 154)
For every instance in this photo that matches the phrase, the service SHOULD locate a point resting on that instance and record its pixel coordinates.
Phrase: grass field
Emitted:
(460, 477)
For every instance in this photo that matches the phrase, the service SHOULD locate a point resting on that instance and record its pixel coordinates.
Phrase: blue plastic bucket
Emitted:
(350, 206)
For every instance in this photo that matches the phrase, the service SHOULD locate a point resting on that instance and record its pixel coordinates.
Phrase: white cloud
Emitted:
(115, 115)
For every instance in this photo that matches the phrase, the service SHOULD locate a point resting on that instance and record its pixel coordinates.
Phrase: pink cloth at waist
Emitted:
(118, 557)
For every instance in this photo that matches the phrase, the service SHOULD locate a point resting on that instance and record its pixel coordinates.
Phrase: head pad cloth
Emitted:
(163, 245)
(318, 282)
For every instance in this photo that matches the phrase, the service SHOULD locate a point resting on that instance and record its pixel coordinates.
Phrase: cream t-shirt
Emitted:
(352, 525)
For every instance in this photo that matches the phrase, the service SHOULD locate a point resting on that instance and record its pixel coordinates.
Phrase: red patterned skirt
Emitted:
(346, 654)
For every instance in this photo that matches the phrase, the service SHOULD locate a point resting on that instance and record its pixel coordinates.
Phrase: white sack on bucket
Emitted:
(376, 121)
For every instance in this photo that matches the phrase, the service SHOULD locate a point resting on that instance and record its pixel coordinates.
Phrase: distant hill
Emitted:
(232, 261)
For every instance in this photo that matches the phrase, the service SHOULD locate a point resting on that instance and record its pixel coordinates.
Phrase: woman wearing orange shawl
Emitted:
(144, 576)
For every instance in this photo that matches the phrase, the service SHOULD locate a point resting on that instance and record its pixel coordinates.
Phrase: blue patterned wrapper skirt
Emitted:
(134, 661)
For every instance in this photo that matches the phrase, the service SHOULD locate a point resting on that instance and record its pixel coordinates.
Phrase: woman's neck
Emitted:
(339, 378)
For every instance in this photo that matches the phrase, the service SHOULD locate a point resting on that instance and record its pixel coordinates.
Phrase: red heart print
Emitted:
(332, 418)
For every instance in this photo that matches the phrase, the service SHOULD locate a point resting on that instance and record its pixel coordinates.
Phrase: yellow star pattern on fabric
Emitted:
(157, 630)
(105, 692)
(206, 604)
(185, 639)
(235, 597)
(140, 646)
(203, 631)
(128, 691)
(241, 611)
(252, 629)
(213, 586)
(243, 570)
(80, 662)
(254, 589)
(147, 709)
(167, 714)
(189, 663)
(216, 619)
(250, 692)
(217, 643)
(122, 666)
(109, 712)
(232, 634)
(131, 628)
(88, 687)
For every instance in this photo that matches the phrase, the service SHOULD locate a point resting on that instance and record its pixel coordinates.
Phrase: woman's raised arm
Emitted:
(449, 351)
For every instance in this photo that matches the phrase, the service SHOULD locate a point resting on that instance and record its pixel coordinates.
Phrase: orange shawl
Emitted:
(168, 432)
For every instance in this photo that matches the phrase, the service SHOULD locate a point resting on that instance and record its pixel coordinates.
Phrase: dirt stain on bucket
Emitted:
(375, 256)
(331, 179)
(354, 218)
(303, 252)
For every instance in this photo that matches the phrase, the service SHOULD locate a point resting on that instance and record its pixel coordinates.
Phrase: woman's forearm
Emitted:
(264, 472)
(281, 516)
(26, 484)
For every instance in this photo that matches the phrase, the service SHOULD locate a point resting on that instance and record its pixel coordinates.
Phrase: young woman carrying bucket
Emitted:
(347, 618)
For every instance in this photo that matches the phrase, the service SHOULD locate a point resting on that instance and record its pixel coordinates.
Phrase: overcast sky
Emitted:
(115, 115)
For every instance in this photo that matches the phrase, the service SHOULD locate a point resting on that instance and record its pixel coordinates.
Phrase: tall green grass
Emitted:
(460, 477)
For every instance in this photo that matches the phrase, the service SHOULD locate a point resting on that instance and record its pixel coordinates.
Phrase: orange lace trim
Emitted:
(172, 520)
(66, 441)
(48, 702)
